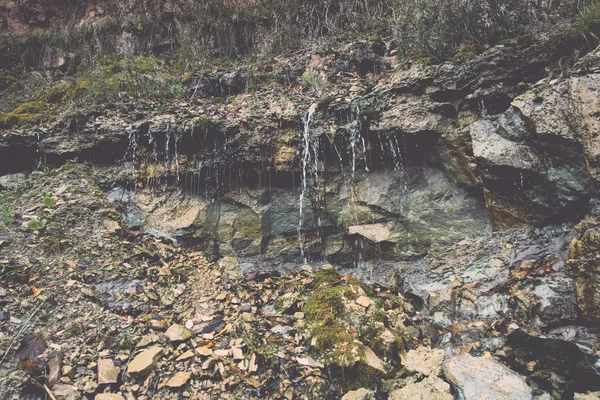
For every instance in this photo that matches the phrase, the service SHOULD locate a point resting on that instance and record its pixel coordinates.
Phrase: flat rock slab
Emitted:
(145, 362)
(179, 379)
(107, 372)
(109, 396)
(424, 360)
(430, 388)
(178, 333)
(360, 394)
(485, 378)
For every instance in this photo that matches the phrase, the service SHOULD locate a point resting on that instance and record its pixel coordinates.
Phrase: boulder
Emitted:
(587, 396)
(12, 181)
(485, 378)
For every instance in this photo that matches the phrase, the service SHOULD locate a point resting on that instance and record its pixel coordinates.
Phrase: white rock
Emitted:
(431, 388)
(485, 378)
(424, 360)
(360, 394)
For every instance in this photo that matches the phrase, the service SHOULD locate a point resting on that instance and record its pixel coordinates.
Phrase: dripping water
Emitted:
(177, 144)
(305, 165)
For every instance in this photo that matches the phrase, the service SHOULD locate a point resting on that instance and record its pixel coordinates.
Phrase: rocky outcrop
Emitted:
(378, 171)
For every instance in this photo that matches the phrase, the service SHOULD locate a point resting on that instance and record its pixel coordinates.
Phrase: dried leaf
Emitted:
(36, 291)
(31, 346)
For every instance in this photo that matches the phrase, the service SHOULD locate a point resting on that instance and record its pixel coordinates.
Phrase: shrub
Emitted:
(588, 19)
(440, 27)
(312, 79)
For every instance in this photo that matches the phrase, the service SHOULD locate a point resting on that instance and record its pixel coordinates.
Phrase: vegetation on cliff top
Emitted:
(118, 52)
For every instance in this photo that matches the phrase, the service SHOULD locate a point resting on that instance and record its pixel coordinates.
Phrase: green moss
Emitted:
(202, 122)
(30, 113)
(325, 303)
(327, 276)
(368, 289)
(63, 92)
(329, 335)
(363, 376)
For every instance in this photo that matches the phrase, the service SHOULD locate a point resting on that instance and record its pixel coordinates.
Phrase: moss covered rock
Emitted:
(354, 328)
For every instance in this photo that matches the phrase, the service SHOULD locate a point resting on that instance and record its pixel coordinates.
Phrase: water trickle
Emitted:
(521, 175)
(177, 144)
(167, 153)
(154, 143)
(306, 163)
(482, 108)
(37, 151)
(131, 151)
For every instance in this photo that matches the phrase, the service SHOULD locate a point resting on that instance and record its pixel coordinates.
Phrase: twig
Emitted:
(21, 331)
(49, 392)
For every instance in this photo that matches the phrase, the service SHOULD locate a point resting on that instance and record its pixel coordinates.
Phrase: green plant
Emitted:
(202, 122)
(250, 82)
(37, 226)
(270, 354)
(125, 339)
(48, 201)
(177, 90)
(588, 19)
(5, 215)
(313, 79)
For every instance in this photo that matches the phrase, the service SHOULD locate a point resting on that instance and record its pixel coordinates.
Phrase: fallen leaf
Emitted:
(36, 291)
(31, 346)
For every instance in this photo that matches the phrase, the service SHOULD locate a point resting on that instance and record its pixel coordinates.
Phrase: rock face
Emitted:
(560, 365)
(485, 378)
(144, 362)
(426, 155)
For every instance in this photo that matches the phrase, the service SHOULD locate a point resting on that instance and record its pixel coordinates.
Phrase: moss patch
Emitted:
(30, 113)
(325, 303)
(327, 276)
